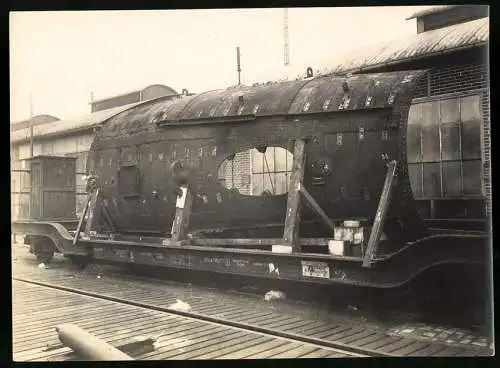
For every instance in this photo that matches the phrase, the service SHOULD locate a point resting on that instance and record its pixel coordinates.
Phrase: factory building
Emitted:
(67, 137)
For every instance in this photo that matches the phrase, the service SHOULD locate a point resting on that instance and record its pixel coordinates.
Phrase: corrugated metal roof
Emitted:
(464, 35)
(134, 91)
(35, 120)
(431, 10)
(69, 125)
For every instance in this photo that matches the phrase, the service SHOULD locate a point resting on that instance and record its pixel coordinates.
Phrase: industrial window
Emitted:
(271, 170)
(444, 147)
(81, 200)
(48, 147)
(14, 153)
(257, 171)
(81, 184)
(234, 172)
(81, 161)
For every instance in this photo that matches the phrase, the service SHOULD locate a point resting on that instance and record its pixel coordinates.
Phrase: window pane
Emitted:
(81, 162)
(415, 173)
(269, 183)
(450, 111)
(450, 141)
(281, 183)
(15, 182)
(257, 184)
(269, 160)
(451, 178)
(415, 114)
(25, 181)
(432, 180)
(414, 149)
(471, 139)
(430, 133)
(283, 159)
(257, 161)
(470, 108)
(47, 147)
(471, 127)
(80, 183)
(14, 153)
(81, 199)
(472, 177)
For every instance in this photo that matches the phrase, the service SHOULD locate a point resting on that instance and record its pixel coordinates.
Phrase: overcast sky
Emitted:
(60, 57)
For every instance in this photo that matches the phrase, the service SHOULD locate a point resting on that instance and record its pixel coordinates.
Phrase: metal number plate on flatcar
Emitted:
(315, 269)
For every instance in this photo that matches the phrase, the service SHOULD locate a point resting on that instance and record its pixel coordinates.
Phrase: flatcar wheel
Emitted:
(44, 250)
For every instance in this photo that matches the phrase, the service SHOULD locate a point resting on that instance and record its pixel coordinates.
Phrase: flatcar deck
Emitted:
(322, 332)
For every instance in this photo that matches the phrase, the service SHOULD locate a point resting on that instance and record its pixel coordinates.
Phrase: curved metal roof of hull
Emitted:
(316, 95)
(203, 131)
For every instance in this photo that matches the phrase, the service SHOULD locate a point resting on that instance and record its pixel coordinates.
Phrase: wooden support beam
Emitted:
(92, 210)
(378, 224)
(292, 217)
(182, 213)
(311, 202)
(253, 242)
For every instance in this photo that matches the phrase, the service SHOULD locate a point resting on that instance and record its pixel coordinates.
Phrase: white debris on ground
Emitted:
(177, 343)
(99, 276)
(43, 265)
(180, 306)
(274, 295)
(352, 307)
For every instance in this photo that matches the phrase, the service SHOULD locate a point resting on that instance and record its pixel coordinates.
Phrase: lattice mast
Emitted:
(286, 41)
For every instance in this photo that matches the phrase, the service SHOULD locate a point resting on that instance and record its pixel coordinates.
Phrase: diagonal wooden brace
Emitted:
(378, 224)
(80, 222)
(311, 202)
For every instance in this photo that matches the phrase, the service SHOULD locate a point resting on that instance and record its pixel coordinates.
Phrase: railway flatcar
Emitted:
(332, 204)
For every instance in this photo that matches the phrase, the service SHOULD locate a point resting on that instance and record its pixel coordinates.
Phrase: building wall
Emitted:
(75, 145)
(453, 104)
(452, 16)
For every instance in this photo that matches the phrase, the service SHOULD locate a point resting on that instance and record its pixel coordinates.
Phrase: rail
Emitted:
(321, 343)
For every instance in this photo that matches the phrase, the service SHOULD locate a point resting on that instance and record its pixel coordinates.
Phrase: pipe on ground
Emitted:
(87, 345)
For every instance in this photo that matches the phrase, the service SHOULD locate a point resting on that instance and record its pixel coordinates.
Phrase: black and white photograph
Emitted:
(251, 183)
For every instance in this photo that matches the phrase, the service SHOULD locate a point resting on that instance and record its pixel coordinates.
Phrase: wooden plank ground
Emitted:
(288, 317)
(37, 310)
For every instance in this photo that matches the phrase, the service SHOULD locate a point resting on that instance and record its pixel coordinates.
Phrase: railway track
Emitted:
(310, 333)
(259, 340)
